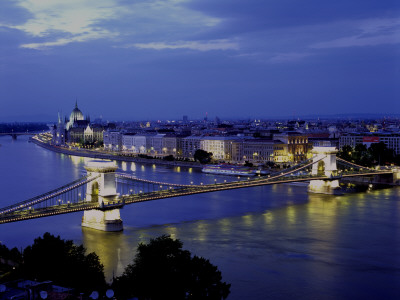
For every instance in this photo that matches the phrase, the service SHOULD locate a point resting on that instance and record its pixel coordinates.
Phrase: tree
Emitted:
(381, 154)
(162, 270)
(9, 259)
(346, 153)
(362, 156)
(58, 260)
(202, 156)
(248, 164)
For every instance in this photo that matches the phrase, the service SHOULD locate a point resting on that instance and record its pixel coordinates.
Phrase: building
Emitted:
(170, 145)
(258, 150)
(134, 143)
(219, 146)
(391, 140)
(76, 129)
(297, 145)
(281, 152)
(189, 146)
(75, 116)
(112, 140)
(76, 135)
(154, 144)
(59, 133)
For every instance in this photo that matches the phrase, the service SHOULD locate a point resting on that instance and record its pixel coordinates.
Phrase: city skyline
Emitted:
(232, 59)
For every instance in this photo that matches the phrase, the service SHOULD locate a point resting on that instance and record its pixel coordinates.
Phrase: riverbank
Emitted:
(113, 156)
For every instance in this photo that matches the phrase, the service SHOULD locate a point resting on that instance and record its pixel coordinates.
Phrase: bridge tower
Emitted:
(326, 166)
(396, 176)
(102, 190)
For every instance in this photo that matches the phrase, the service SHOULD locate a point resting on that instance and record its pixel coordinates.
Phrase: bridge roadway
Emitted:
(26, 214)
(18, 133)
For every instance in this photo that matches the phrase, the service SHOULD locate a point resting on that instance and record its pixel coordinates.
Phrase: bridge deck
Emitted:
(26, 214)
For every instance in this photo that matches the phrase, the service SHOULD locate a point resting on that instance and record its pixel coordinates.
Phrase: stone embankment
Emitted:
(113, 156)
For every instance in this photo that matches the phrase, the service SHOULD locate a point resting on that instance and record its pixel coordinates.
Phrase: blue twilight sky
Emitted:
(161, 59)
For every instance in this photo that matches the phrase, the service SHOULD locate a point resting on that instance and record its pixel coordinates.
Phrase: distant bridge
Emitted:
(15, 134)
(96, 193)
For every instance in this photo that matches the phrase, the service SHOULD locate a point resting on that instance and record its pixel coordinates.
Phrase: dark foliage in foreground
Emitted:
(162, 270)
(62, 262)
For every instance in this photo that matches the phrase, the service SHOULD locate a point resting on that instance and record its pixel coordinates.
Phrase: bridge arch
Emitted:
(321, 167)
(102, 190)
(326, 157)
(95, 191)
(325, 165)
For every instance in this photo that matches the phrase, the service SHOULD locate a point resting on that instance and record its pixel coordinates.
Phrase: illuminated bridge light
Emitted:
(20, 208)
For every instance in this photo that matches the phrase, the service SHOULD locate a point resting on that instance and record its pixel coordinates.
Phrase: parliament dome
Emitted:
(76, 114)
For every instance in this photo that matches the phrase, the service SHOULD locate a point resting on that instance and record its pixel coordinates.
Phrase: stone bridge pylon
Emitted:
(103, 191)
(326, 166)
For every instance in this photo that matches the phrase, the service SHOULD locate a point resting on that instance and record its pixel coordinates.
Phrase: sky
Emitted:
(162, 59)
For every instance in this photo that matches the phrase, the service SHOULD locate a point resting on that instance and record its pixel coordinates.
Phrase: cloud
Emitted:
(65, 41)
(58, 22)
(288, 57)
(192, 45)
(70, 21)
(358, 41)
(369, 33)
(293, 44)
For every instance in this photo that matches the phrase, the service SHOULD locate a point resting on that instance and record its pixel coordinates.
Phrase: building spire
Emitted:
(76, 102)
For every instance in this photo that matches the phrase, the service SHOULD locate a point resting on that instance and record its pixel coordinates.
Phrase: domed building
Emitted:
(76, 115)
(76, 130)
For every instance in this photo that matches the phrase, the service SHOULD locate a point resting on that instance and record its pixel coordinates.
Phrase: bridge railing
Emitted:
(125, 176)
(345, 162)
(298, 167)
(47, 196)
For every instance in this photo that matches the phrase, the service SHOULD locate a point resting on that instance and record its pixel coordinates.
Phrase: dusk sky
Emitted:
(145, 59)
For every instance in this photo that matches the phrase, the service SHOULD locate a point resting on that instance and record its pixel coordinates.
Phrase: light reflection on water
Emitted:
(273, 242)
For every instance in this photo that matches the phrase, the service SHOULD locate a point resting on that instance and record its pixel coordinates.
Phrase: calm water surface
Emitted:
(272, 242)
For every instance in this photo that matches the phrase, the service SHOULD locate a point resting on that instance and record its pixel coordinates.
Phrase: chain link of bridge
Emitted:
(96, 194)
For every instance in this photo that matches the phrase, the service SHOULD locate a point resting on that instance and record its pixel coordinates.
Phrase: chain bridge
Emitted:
(96, 193)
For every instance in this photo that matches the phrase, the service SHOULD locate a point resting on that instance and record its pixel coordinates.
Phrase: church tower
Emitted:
(59, 138)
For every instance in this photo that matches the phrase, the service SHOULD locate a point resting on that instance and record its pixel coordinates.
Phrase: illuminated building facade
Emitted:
(189, 146)
(59, 133)
(219, 146)
(75, 116)
(155, 144)
(134, 143)
(76, 130)
(258, 150)
(169, 145)
(112, 140)
(297, 145)
(391, 140)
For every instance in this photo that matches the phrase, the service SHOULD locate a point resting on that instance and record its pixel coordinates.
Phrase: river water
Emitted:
(271, 242)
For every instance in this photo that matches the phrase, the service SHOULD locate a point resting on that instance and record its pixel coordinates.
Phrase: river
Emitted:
(271, 242)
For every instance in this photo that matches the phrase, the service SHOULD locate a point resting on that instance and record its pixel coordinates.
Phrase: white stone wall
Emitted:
(112, 140)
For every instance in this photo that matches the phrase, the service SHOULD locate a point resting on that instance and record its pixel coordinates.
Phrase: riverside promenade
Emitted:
(112, 155)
